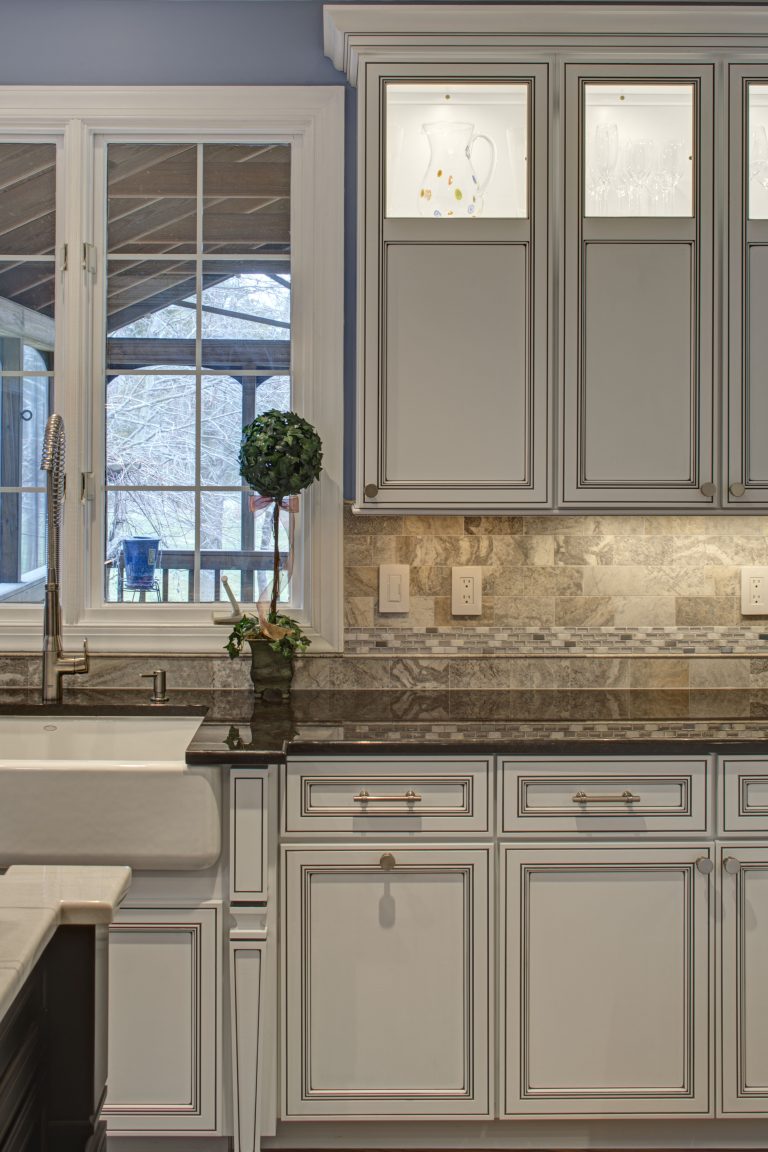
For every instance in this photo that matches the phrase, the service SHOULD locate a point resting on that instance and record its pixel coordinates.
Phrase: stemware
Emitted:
(639, 165)
(605, 155)
(758, 155)
(671, 169)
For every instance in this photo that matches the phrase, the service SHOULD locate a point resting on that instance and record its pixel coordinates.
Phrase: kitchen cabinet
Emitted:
(164, 1020)
(747, 392)
(638, 394)
(566, 347)
(605, 968)
(455, 398)
(387, 981)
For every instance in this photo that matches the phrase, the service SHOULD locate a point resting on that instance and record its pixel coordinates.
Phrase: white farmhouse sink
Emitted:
(106, 790)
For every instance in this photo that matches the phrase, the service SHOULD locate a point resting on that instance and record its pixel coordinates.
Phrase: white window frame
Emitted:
(311, 119)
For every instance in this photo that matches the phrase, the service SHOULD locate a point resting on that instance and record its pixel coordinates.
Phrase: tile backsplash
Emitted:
(563, 572)
(576, 602)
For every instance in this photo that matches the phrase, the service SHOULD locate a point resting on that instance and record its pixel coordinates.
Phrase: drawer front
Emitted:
(248, 825)
(744, 795)
(541, 795)
(380, 795)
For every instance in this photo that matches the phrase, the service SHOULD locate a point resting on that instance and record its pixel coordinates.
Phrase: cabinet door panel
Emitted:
(386, 986)
(639, 331)
(607, 957)
(638, 383)
(744, 989)
(756, 415)
(162, 1020)
(457, 401)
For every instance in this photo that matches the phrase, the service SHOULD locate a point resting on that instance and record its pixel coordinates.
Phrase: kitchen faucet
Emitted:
(55, 663)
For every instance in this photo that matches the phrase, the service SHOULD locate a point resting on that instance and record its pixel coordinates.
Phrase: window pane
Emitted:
(237, 538)
(151, 317)
(28, 202)
(151, 197)
(151, 429)
(457, 150)
(247, 190)
(27, 299)
(758, 151)
(168, 518)
(196, 346)
(638, 149)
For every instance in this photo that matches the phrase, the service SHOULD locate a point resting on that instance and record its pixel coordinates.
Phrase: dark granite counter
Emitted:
(237, 730)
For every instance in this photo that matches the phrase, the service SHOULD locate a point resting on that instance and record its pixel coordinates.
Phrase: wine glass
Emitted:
(605, 155)
(758, 155)
(672, 158)
(639, 165)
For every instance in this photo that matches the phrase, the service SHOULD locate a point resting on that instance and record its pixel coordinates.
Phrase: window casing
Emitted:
(85, 123)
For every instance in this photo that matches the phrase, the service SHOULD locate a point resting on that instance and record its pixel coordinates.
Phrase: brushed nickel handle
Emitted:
(737, 489)
(626, 797)
(371, 490)
(731, 865)
(708, 488)
(387, 862)
(704, 865)
(410, 797)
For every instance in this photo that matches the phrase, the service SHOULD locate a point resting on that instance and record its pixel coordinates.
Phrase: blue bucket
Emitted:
(141, 554)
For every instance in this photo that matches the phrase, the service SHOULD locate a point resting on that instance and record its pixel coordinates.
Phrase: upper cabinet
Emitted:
(454, 324)
(563, 255)
(747, 446)
(637, 428)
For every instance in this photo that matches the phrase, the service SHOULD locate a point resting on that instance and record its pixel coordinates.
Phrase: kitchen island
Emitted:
(53, 1008)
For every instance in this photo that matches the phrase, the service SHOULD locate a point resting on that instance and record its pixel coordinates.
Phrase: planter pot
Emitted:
(271, 673)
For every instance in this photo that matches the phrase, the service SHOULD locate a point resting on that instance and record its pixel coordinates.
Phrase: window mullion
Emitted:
(198, 370)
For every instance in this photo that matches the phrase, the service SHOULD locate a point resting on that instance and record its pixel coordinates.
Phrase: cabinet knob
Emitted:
(704, 865)
(708, 488)
(371, 490)
(387, 862)
(731, 865)
(737, 489)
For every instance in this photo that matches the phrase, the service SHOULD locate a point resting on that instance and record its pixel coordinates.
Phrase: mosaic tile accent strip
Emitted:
(485, 640)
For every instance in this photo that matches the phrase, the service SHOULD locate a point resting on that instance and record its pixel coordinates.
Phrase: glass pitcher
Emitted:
(450, 186)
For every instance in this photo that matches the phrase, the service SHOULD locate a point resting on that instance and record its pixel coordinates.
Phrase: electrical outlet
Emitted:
(754, 591)
(466, 591)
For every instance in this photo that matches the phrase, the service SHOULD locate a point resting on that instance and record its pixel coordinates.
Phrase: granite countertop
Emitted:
(238, 730)
(35, 900)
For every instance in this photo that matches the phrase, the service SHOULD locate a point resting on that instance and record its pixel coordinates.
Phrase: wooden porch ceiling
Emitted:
(151, 196)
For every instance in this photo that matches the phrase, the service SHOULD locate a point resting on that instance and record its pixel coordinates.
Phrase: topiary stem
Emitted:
(276, 565)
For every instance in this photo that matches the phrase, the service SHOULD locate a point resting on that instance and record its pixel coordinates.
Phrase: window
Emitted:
(199, 245)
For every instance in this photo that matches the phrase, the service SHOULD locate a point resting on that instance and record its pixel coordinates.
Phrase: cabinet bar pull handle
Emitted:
(410, 797)
(626, 797)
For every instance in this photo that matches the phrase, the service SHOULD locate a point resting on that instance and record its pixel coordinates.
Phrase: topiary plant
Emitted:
(280, 455)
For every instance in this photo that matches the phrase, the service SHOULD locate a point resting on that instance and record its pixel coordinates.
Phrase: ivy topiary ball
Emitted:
(280, 454)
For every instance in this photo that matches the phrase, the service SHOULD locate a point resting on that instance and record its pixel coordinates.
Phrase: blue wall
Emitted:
(185, 42)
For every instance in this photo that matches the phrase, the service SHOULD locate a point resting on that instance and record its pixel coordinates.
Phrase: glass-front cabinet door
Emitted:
(747, 447)
(638, 284)
(454, 334)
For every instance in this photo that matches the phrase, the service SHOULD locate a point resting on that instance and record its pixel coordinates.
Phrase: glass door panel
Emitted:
(758, 151)
(456, 149)
(638, 149)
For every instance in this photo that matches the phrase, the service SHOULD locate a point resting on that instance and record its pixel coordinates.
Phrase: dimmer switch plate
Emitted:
(466, 591)
(394, 588)
(754, 591)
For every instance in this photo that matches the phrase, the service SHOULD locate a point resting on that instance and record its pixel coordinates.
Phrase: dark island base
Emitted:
(53, 1049)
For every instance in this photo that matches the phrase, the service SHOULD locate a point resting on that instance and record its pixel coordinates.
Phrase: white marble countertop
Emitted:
(35, 900)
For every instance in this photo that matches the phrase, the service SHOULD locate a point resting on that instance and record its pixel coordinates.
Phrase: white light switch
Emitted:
(394, 588)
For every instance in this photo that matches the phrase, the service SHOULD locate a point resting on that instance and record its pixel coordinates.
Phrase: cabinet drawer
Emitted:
(744, 795)
(248, 835)
(617, 794)
(380, 795)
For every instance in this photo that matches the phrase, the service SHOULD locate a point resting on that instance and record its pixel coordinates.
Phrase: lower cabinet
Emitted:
(605, 972)
(387, 988)
(163, 1020)
(743, 986)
